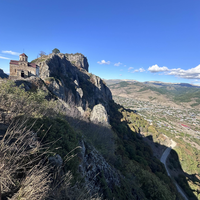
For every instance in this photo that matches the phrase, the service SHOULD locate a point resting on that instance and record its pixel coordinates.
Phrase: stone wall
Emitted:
(15, 70)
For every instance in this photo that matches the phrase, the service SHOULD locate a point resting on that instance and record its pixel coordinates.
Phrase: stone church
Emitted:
(22, 68)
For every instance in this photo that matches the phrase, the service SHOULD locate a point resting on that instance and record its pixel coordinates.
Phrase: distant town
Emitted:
(183, 122)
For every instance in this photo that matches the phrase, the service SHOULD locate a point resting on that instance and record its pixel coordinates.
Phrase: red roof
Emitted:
(23, 54)
(32, 65)
(185, 125)
(14, 62)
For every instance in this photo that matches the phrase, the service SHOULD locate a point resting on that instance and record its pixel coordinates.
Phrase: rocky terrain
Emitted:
(67, 77)
(74, 111)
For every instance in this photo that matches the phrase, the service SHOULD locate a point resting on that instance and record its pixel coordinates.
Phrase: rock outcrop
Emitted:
(78, 60)
(85, 96)
(93, 166)
(67, 77)
(99, 114)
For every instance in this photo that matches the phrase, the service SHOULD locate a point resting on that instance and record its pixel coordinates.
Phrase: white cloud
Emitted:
(121, 70)
(193, 73)
(103, 62)
(1, 57)
(135, 71)
(130, 68)
(11, 52)
(117, 64)
(124, 65)
(141, 70)
(156, 68)
(120, 74)
(138, 70)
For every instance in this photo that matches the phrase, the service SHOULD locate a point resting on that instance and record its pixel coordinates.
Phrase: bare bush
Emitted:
(15, 101)
(24, 172)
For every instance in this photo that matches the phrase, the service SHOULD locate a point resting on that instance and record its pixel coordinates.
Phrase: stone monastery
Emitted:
(22, 68)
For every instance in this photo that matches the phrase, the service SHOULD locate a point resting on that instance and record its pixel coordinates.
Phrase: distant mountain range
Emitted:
(173, 94)
(114, 81)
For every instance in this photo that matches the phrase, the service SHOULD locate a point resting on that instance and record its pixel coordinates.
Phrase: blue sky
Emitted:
(142, 40)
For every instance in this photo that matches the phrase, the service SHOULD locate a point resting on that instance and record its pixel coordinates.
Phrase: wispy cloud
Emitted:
(156, 68)
(124, 65)
(11, 53)
(138, 70)
(117, 64)
(130, 68)
(141, 70)
(1, 57)
(195, 82)
(103, 62)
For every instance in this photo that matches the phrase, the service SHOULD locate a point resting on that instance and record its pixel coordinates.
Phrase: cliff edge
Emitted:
(67, 77)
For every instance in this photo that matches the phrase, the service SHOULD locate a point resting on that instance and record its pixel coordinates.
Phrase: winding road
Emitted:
(163, 160)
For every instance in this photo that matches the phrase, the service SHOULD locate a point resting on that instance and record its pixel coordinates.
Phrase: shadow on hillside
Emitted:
(122, 143)
(181, 177)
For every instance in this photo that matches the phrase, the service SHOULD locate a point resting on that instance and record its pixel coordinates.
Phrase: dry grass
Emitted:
(24, 170)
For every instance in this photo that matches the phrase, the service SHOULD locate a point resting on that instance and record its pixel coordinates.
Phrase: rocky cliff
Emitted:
(85, 97)
(67, 76)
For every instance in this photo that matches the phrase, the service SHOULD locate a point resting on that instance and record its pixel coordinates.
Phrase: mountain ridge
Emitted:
(173, 94)
(113, 81)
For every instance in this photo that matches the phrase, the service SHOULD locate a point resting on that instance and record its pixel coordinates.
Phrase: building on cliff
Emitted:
(22, 68)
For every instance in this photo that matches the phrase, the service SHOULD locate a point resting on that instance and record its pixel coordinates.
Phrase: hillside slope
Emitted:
(163, 93)
(171, 118)
(69, 107)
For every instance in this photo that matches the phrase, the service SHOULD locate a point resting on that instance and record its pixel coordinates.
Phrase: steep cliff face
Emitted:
(79, 60)
(93, 166)
(85, 96)
(67, 76)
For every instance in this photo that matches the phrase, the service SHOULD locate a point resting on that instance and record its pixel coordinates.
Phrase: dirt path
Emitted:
(163, 160)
